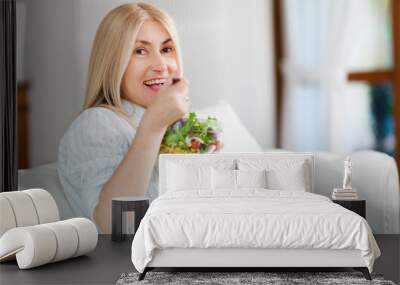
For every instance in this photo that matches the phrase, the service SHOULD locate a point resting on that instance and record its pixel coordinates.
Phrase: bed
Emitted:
(244, 210)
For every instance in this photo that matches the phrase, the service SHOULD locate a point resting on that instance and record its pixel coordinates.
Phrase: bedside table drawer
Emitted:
(357, 206)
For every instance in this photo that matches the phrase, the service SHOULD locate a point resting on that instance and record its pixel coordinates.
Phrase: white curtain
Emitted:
(317, 112)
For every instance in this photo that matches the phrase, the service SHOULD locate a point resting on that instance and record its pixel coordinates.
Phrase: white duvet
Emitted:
(251, 218)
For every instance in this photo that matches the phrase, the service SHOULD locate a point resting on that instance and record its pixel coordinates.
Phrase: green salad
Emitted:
(191, 135)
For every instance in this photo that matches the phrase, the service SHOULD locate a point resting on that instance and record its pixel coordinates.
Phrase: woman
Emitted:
(134, 91)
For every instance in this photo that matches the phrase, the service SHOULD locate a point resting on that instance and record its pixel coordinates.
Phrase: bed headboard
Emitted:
(230, 160)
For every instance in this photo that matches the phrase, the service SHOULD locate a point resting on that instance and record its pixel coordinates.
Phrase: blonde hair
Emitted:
(112, 50)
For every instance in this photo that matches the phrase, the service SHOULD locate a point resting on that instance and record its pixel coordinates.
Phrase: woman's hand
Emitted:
(219, 146)
(170, 104)
(133, 174)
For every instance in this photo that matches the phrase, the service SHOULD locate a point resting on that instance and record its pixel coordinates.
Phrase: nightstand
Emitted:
(138, 205)
(357, 206)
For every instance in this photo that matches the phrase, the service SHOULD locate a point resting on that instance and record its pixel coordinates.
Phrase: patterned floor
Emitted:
(225, 278)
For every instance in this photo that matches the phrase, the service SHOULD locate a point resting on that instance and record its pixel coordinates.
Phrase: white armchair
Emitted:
(375, 176)
(31, 232)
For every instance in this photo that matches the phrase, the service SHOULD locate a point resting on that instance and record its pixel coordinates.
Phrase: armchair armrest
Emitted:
(375, 176)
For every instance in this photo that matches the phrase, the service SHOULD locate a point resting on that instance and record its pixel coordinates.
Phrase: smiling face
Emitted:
(152, 64)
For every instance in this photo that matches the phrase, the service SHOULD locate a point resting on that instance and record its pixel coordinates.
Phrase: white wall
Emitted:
(51, 67)
(227, 53)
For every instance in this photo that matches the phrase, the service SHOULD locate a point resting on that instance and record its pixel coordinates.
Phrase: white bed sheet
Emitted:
(250, 218)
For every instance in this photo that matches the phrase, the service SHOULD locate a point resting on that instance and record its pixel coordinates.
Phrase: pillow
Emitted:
(224, 179)
(181, 177)
(293, 178)
(237, 179)
(235, 136)
(251, 178)
(282, 174)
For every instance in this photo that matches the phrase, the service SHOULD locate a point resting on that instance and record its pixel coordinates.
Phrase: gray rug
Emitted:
(228, 278)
